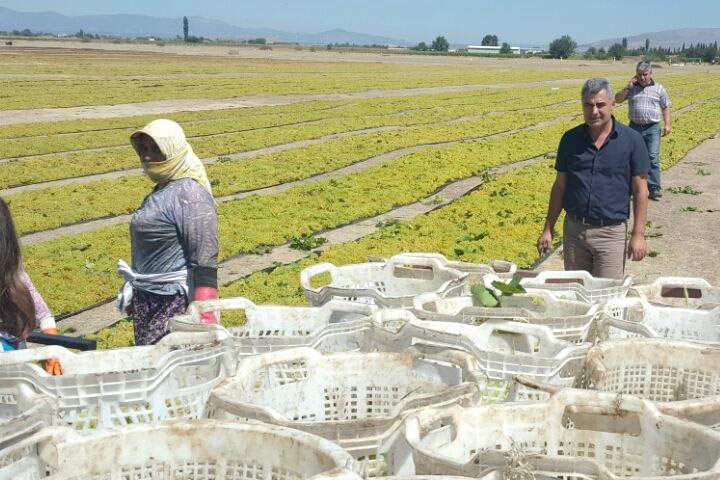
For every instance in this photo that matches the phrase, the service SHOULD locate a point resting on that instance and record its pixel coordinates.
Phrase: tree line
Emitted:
(565, 47)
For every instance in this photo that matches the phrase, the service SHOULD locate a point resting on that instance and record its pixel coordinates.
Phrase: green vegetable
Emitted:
(509, 288)
(483, 296)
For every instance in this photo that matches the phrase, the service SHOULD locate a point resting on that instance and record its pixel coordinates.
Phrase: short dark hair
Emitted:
(596, 85)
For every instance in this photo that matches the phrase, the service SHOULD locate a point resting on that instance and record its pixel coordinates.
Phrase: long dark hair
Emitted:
(17, 310)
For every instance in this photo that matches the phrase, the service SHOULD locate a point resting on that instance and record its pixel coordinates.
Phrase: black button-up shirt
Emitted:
(599, 181)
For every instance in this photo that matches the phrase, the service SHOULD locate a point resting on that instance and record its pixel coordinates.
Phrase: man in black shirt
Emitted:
(600, 165)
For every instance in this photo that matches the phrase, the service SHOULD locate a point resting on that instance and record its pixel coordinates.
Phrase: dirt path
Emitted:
(233, 269)
(10, 117)
(357, 167)
(686, 242)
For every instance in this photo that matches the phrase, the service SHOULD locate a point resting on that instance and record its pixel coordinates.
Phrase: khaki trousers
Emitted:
(598, 250)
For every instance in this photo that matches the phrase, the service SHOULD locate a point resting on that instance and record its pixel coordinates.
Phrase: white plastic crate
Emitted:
(573, 285)
(355, 399)
(270, 328)
(109, 388)
(568, 319)
(17, 456)
(474, 270)
(634, 317)
(392, 283)
(576, 433)
(686, 292)
(505, 349)
(663, 371)
(201, 449)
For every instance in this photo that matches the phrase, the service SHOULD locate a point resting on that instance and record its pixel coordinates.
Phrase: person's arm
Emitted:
(666, 121)
(555, 207)
(198, 228)
(665, 108)
(623, 94)
(637, 245)
(45, 321)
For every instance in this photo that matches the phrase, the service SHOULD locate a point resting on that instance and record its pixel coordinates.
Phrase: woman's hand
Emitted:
(207, 293)
(52, 365)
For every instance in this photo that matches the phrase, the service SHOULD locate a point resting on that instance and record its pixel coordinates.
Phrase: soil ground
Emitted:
(319, 55)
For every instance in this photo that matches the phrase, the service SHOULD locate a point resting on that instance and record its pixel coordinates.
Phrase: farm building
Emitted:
(489, 50)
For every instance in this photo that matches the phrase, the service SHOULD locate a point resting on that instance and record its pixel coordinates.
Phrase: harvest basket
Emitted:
(110, 388)
(505, 349)
(678, 292)
(573, 285)
(201, 449)
(475, 271)
(355, 399)
(568, 319)
(634, 317)
(270, 328)
(576, 433)
(670, 373)
(391, 283)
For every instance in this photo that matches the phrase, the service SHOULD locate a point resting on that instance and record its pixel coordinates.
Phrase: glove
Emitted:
(207, 293)
(52, 365)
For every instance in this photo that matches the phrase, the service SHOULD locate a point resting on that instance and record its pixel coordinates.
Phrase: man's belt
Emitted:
(644, 125)
(594, 222)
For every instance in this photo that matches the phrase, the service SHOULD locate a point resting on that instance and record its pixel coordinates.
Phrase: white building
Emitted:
(487, 49)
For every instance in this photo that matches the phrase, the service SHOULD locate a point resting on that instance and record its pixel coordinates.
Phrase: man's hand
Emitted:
(544, 242)
(636, 248)
(666, 130)
(633, 82)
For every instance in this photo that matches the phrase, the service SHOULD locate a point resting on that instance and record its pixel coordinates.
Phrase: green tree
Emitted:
(624, 43)
(617, 51)
(562, 47)
(440, 44)
(186, 29)
(590, 53)
(647, 45)
(489, 41)
(422, 46)
(505, 49)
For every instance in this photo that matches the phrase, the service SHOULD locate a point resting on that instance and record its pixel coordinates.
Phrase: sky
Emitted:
(521, 22)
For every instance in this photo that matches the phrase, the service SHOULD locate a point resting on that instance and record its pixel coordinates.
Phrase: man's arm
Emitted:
(554, 208)
(637, 246)
(622, 95)
(666, 121)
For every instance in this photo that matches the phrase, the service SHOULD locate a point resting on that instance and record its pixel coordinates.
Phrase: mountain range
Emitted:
(143, 25)
(665, 38)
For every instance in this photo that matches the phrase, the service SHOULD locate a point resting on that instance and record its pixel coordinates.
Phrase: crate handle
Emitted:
(257, 362)
(421, 300)
(217, 334)
(307, 274)
(236, 303)
(692, 407)
(34, 355)
(627, 325)
(419, 260)
(347, 306)
(536, 384)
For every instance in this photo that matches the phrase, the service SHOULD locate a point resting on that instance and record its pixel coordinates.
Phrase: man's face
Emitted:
(644, 78)
(598, 108)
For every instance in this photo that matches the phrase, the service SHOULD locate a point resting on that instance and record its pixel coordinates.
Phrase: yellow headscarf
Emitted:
(180, 160)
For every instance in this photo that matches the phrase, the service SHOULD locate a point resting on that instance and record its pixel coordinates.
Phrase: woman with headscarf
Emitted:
(174, 235)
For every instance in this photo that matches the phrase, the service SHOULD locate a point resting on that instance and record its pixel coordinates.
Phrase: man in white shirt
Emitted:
(649, 104)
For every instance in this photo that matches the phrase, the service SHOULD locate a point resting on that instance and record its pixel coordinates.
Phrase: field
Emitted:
(328, 144)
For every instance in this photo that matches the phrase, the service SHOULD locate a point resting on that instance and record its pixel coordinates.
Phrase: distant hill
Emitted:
(666, 38)
(143, 25)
